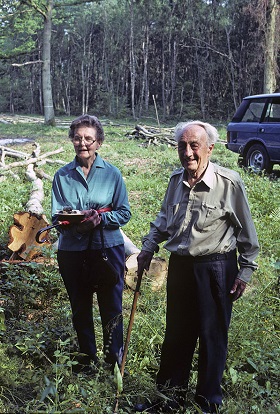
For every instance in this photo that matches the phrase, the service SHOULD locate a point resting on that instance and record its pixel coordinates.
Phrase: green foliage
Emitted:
(38, 345)
(252, 362)
(18, 30)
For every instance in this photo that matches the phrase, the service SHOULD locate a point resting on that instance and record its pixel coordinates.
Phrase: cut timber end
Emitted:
(22, 234)
(155, 276)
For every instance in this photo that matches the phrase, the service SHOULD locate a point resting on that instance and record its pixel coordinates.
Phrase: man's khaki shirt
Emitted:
(211, 217)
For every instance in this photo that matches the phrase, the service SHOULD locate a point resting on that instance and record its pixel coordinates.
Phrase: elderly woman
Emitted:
(96, 188)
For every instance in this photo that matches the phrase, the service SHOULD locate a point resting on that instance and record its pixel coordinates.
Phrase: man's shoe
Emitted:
(206, 407)
(84, 364)
(89, 370)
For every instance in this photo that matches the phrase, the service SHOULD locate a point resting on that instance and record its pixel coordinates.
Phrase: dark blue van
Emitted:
(254, 132)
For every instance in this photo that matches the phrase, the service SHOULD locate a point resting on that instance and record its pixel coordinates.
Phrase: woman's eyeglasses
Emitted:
(78, 140)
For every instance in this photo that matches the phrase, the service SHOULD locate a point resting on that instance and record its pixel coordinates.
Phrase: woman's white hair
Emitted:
(212, 133)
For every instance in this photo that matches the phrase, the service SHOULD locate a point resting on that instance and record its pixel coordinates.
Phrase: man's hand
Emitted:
(91, 220)
(144, 259)
(237, 289)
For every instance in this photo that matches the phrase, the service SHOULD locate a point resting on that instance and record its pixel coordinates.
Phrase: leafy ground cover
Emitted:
(38, 344)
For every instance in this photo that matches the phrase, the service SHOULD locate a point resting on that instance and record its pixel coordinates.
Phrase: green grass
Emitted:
(37, 347)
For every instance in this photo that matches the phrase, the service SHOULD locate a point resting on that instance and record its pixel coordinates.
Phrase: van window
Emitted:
(273, 111)
(254, 111)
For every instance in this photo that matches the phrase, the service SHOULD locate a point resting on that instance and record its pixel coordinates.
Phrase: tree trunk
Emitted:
(270, 67)
(12, 108)
(132, 61)
(173, 75)
(144, 97)
(228, 30)
(46, 72)
(89, 58)
(163, 80)
(200, 77)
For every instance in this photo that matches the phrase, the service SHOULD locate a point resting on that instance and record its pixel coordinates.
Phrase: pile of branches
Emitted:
(153, 136)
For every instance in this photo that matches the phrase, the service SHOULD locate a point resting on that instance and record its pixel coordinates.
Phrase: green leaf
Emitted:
(2, 321)
(233, 375)
(118, 378)
(253, 365)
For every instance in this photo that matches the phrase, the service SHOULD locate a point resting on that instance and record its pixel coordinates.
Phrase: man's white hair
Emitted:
(212, 133)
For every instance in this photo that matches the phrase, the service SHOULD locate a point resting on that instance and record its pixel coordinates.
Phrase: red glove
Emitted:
(91, 220)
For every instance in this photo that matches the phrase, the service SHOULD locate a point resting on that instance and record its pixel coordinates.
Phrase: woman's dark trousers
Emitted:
(198, 308)
(109, 300)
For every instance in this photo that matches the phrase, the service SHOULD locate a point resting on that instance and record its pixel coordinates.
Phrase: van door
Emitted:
(269, 129)
(244, 126)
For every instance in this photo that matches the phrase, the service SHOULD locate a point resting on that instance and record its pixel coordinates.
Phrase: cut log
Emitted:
(22, 234)
(34, 204)
(157, 273)
(154, 277)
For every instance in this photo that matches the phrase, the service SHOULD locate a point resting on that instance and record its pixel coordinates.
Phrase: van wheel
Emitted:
(257, 159)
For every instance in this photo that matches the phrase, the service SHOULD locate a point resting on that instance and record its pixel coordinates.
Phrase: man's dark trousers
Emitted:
(198, 307)
(81, 299)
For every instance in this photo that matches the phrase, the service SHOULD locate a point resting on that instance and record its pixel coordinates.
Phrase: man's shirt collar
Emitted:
(208, 176)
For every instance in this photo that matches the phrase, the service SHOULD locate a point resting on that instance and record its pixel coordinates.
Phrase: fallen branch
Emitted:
(32, 160)
(27, 63)
(49, 161)
(42, 174)
(37, 150)
(13, 153)
(2, 158)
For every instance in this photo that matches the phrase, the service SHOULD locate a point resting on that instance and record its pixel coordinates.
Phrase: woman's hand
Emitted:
(91, 220)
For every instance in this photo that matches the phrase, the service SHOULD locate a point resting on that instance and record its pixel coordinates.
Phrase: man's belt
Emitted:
(214, 256)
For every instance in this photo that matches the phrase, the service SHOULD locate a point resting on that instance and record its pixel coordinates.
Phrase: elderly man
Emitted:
(206, 222)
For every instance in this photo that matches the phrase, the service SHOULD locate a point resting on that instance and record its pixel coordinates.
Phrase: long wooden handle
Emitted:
(129, 329)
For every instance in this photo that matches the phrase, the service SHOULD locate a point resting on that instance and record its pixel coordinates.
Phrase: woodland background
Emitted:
(182, 58)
